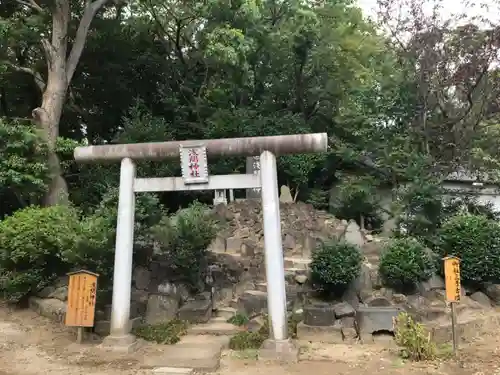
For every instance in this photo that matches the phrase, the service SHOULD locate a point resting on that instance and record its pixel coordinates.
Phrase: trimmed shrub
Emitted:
(334, 265)
(183, 239)
(32, 243)
(404, 262)
(475, 239)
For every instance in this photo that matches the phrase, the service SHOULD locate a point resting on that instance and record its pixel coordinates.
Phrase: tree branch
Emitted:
(31, 4)
(91, 9)
(23, 69)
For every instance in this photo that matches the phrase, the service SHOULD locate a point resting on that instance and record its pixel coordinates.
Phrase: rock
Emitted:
(178, 291)
(233, 245)
(252, 302)
(141, 277)
(161, 308)
(434, 283)
(218, 245)
(248, 248)
(353, 234)
(46, 292)
(51, 308)
(308, 246)
(343, 309)
(376, 319)
(349, 331)
(481, 298)
(197, 311)
(139, 296)
(319, 315)
(377, 301)
(399, 298)
(285, 195)
(369, 238)
(300, 278)
(60, 293)
(289, 242)
(492, 291)
(363, 285)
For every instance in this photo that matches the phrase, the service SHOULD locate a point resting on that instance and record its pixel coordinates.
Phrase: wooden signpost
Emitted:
(453, 292)
(82, 291)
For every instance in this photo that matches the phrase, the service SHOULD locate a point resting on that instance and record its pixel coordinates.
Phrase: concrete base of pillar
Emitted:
(281, 351)
(125, 344)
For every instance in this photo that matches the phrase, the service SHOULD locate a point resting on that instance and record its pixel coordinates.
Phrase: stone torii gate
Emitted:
(193, 156)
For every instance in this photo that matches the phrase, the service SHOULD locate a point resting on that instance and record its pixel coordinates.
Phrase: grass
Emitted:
(163, 333)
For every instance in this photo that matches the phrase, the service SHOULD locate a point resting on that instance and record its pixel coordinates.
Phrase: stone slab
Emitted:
(326, 334)
(226, 312)
(216, 341)
(121, 344)
(51, 308)
(197, 311)
(102, 327)
(173, 371)
(216, 328)
(376, 319)
(319, 314)
(200, 357)
(467, 329)
(279, 351)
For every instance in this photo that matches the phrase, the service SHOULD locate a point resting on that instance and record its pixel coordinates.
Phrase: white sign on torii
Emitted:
(196, 177)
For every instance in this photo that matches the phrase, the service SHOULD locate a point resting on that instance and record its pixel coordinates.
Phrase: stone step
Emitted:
(290, 289)
(200, 352)
(297, 263)
(173, 371)
(215, 327)
(225, 312)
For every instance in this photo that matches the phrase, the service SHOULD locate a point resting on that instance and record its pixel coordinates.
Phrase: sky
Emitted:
(450, 7)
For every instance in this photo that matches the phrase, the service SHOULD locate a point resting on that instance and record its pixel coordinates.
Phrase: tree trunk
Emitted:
(47, 118)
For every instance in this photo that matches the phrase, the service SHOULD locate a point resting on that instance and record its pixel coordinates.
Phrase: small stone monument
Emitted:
(285, 195)
(220, 197)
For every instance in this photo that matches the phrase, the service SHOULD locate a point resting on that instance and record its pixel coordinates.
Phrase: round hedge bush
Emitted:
(475, 239)
(32, 244)
(334, 265)
(404, 262)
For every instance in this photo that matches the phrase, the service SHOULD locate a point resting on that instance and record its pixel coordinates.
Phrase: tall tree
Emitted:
(39, 39)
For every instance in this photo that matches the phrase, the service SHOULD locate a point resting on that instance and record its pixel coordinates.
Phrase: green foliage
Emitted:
(421, 207)
(96, 248)
(356, 197)
(404, 262)
(334, 265)
(183, 240)
(23, 168)
(414, 340)
(246, 340)
(253, 340)
(476, 241)
(167, 333)
(238, 319)
(32, 244)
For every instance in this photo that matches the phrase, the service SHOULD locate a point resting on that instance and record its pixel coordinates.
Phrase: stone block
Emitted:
(173, 371)
(141, 277)
(425, 288)
(377, 301)
(326, 334)
(161, 308)
(252, 302)
(248, 248)
(121, 344)
(197, 311)
(343, 309)
(203, 356)
(51, 308)
(233, 245)
(218, 245)
(376, 319)
(279, 350)
(319, 314)
(60, 293)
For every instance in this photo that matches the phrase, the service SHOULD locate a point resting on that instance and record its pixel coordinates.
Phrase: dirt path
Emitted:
(32, 345)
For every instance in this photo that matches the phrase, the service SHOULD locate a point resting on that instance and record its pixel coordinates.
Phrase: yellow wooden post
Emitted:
(453, 292)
